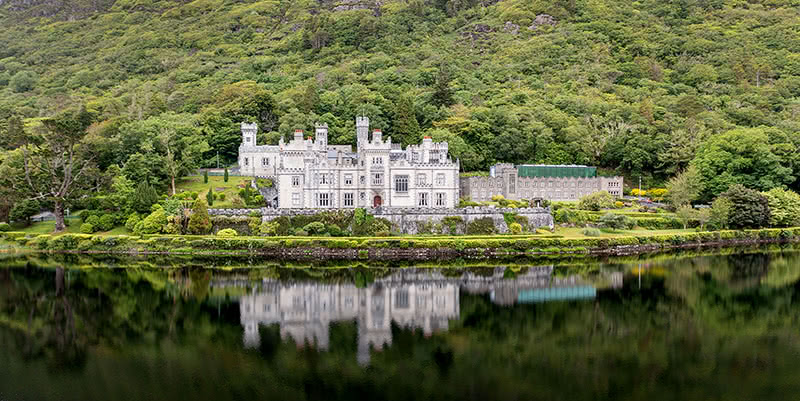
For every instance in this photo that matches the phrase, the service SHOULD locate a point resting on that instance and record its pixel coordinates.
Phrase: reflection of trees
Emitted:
(702, 330)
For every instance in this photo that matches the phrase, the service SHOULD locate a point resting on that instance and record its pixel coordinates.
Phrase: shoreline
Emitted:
(389, 249)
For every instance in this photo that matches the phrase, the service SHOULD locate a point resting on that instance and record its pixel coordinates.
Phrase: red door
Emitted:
(377, 201)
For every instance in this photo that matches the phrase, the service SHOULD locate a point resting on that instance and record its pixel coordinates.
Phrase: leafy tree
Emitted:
(748, 208)
(784, 207)
(720, 212)
(684, 188)
(742, 156)
(685, 213)
(24, 210)
(23, 81)
(596, 201)
(56, 162)
(199, 221)
(122, 194)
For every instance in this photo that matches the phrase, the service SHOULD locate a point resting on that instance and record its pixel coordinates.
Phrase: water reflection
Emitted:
(413, 299)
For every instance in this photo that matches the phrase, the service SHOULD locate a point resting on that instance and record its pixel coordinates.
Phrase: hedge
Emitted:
(525, 244)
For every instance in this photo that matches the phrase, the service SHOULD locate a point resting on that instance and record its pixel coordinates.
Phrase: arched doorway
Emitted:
(377, 201)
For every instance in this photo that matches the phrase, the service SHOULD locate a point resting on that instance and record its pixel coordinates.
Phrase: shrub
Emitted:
(482, 226)
(515, 228)
(616, 221)
(596, 201)
(314, 228)
(227, 233)
(210, 197)
(334, 230)
(4, 227)
(106, 222)
(133, 219)
(199, 222)
(225, 176)
(205, 177)
(154, 223)
(94, 220)
(222, 196)
(269, 228)
(590, 232)
(570, 216)
(300, 232)
(144, 197)
(87, 228)
(619, 204)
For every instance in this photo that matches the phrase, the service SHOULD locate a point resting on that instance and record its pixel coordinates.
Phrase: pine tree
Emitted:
(210, 196)
(144, 197)
(405, 126)
(226, 174)
(205, 177)
(199, 222)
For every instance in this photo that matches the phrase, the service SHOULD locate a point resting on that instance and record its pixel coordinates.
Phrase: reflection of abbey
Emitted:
(309, 173)
(412, 299)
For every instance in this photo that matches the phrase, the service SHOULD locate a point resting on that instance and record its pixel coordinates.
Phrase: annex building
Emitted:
(308, 173)
(537, 181)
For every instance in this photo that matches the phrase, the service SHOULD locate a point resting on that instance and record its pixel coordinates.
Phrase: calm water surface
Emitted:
(708, 327)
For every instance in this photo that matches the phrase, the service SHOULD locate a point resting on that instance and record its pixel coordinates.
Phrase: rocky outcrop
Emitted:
(542, 19)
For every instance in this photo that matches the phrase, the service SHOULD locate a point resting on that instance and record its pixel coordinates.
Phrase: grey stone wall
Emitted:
(409, 220)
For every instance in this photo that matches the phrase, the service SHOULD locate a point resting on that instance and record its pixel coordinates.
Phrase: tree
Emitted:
(199, 221)
(225, 177)
(144, 197)
(720, 210)
(23, 81)
(748, 208)
(24, 210)
(685, 213)
(184, 149)
(703, 216)
(56, 161)
(743, 156)
(210, 196)
(442, 93)
(685, 187)
(405, 128)
(122, 194)
(784, 207)
(205, 176)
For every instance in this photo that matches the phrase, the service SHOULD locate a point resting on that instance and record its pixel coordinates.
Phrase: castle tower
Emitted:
(249, 132)
(362, 130)
(321, 135)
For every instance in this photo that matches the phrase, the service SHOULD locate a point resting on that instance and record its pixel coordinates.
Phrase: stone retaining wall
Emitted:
(408, 220)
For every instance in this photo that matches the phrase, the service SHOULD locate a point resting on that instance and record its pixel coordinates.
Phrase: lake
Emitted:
(669, 327)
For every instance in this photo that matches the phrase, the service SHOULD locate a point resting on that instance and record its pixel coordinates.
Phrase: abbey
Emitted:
(309, 173)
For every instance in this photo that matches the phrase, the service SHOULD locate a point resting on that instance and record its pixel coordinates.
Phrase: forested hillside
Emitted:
(638, 87)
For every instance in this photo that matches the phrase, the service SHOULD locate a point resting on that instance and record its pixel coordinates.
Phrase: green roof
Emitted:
(540, 170)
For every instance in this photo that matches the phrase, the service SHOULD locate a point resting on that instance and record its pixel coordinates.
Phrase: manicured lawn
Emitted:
(230, 189)
(575, 232)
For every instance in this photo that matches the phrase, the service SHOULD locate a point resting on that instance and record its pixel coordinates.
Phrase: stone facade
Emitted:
(506, 182)
(310, 174)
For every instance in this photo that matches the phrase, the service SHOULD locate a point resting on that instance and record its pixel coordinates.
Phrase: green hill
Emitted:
(634, 86)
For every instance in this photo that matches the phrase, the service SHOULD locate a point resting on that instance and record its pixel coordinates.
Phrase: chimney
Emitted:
(377, 136)
(298, 135)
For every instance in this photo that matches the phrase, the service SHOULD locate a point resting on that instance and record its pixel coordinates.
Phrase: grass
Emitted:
(74, 227)
(230, 189)
(575, 232)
